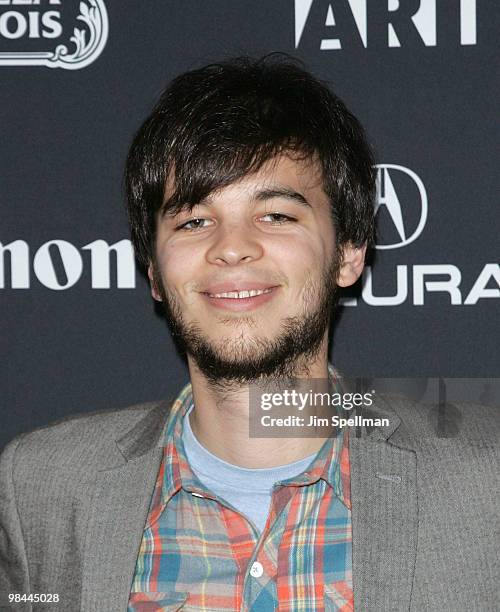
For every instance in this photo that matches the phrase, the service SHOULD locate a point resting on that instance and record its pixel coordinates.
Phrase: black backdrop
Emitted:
(421, 78)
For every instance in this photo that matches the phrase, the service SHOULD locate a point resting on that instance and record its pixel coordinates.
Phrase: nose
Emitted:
(233, 245)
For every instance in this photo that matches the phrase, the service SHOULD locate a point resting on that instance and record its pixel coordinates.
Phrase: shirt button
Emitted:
(256, 570)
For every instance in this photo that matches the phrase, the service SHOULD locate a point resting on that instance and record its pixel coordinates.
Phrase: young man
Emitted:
(250, 197)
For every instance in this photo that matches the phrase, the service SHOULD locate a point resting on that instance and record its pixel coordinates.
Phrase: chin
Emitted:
(233, 346)
(235, 325)
(239, 344)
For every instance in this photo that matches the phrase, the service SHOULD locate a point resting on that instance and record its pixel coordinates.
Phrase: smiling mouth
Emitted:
(239, 295)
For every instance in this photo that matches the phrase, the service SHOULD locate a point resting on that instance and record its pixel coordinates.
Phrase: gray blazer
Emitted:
(74, 498)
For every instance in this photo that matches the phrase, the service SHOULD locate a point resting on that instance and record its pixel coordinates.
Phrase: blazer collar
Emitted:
(116, 506)
(384, 513)
(148, 431)
(145, 434)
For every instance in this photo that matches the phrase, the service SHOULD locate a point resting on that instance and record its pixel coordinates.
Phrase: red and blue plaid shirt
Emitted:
(200, 553)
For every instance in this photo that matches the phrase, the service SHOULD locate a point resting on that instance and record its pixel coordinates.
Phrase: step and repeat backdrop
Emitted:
(79, 330)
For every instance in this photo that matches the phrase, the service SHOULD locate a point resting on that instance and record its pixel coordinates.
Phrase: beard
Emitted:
(249, 358)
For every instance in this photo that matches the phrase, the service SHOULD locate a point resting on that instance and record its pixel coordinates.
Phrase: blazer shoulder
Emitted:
(460, 422)
(77, 438)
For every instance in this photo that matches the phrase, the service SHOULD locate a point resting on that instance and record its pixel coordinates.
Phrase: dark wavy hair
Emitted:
(214, 125)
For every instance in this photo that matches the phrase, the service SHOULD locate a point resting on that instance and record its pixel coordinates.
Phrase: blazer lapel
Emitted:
(384, 518)
(117, 513)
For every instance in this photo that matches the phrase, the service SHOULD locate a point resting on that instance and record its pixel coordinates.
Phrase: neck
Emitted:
(220, 421)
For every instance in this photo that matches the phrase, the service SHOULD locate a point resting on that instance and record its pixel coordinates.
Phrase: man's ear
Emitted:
(154, 289)
(353, 261)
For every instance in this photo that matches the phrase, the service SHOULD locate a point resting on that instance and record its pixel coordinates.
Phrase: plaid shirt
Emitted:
(200, 553)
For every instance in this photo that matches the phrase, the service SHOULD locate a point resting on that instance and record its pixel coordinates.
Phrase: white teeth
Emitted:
(240, 294)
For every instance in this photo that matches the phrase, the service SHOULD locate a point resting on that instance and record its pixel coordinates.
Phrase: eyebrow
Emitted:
(281, 192)
(261, 195)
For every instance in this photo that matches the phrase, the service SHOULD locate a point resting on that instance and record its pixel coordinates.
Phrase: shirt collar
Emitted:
(330, 464)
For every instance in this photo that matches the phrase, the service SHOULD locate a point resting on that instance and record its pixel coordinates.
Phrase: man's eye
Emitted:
(194, 223)
(278, 218)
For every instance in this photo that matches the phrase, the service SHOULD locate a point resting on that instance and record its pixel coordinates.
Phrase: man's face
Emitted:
(248, 276)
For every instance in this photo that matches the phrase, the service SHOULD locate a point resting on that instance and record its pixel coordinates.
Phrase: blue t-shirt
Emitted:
(247, 490)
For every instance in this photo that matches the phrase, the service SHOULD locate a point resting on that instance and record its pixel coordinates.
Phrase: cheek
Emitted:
(302, 258)
(304, 263)
(177, 269)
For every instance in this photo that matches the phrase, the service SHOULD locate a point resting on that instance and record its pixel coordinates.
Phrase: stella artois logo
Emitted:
(68, 34)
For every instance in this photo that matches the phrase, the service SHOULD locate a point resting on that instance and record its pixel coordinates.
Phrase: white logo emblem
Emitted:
(387, 196)
(87, 42)
(422, 17)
